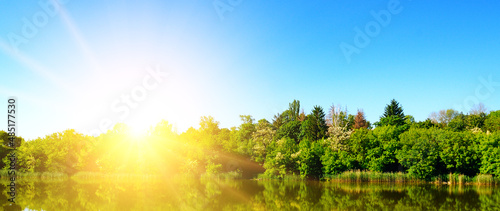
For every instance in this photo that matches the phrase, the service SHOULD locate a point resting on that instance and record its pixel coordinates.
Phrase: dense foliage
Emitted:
(314, 145)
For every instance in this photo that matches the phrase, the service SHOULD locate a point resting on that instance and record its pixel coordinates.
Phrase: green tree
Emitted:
(427, 124)
(458, 123)
(385, 159)
(362, 147)
(227, 138)
(309, 159)
(24, 151)
(4, 147)
(290, 130)
(164, 129)
(393, 115)
(459, 152)
(337, 161)
(247, 127)
(209, 126)
(314, 126)
(208, 132)
(308, 129)
(475, 121)
(245, 132)
(281, 158)
(420, 153)
(262, 137)
(492, 122)
(292, 114)
(64, 152)
(279, 120)
(294, 110)
(319, 120)
(490, 151)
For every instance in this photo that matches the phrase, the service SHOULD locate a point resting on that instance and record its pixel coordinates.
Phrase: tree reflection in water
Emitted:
(195, 194)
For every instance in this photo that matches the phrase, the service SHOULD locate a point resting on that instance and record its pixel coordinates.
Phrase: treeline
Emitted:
(314, 145)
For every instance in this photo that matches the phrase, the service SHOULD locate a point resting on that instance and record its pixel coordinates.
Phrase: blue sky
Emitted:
(75, 67)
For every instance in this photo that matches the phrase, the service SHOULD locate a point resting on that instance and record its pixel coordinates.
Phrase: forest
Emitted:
(314, 145)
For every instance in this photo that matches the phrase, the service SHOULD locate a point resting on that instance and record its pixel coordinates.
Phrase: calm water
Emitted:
(191, 194)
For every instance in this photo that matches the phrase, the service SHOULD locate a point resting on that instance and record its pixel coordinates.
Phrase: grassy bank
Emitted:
(368, 176)
(485, 179)
(399, 177)
(345, 177)
(393, 177)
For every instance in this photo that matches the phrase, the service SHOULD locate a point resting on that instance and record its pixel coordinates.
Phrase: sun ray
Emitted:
(32, 65)
(79, 39)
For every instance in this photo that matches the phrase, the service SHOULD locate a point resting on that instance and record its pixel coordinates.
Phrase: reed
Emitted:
(369, 176)
(462, 179)
(484, 179)
(452, 179)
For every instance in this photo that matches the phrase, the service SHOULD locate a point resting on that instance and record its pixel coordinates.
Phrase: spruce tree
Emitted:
(393, 115)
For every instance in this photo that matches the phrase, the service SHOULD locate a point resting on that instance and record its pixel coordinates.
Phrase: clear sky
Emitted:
(93, 63)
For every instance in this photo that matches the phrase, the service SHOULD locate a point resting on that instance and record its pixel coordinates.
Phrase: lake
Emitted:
(196, 194)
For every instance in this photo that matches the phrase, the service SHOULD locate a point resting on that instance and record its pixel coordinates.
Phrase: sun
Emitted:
(137, 132)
